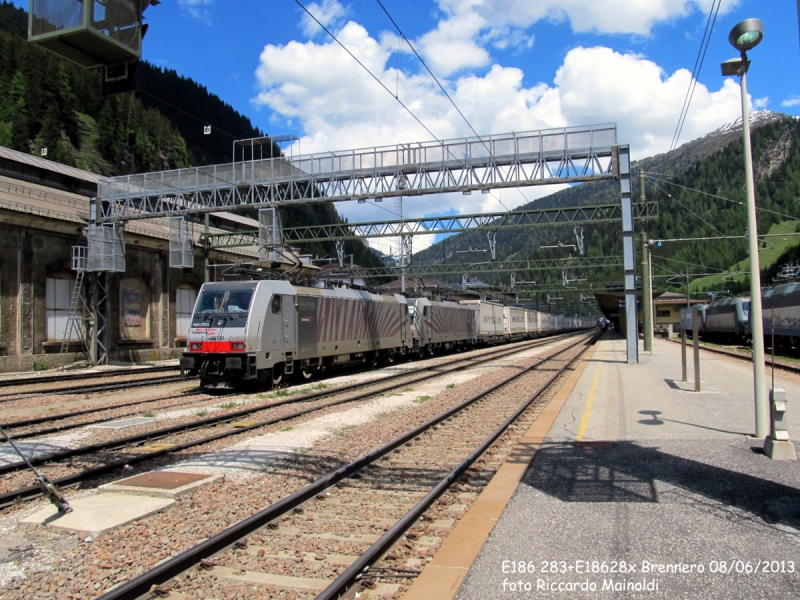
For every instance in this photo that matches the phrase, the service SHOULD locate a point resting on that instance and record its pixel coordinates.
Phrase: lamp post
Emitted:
(746, 36)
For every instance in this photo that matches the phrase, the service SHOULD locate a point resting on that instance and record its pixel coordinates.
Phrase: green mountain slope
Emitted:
(710, 204)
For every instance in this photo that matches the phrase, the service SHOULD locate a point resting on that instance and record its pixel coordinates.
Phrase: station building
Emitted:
(44, 212)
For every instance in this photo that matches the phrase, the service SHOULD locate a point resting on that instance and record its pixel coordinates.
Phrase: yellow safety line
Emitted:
(587, 411)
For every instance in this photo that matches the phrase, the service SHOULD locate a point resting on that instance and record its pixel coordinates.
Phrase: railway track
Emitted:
(10, 426)
(356, 528)
(779, 364)
(41, 379)
(95, 388)
(259, 416)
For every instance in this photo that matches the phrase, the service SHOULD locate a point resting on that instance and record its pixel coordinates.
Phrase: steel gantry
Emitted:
(601, 213)
(564, 155)
(500, 266)
(483, 163)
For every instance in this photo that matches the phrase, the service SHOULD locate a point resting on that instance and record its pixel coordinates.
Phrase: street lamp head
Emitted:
(734, 66)
(747, 34)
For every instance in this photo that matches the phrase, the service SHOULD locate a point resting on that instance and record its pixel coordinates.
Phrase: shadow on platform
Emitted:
(627, 472)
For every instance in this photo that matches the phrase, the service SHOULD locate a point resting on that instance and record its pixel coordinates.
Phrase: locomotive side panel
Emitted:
(784, 302)
(331, 323)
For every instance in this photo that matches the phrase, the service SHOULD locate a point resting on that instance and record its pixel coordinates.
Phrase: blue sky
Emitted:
(510, 65)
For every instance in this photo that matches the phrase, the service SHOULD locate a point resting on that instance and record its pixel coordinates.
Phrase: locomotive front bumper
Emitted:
(221, 365)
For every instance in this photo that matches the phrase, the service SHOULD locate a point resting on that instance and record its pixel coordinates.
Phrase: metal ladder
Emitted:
(77, 307)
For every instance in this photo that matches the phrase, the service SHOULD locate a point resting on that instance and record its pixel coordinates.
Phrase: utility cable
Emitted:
(689, 209)
(371, 74)
(683, 262)
(698, 65)
(139, 90)
(739, 202)
(444, 91)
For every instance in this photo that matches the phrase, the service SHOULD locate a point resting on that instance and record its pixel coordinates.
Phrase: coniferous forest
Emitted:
(48, 102)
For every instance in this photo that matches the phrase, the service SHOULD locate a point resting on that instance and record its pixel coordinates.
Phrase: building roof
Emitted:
(49, 165)
(51, 177)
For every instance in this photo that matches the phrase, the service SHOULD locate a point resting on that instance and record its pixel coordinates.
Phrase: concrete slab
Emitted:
(161, 484)
(99, 514)
(124, 423)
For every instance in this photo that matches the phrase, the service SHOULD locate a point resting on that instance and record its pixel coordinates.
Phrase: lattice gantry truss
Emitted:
(562, 215)
(564, 155)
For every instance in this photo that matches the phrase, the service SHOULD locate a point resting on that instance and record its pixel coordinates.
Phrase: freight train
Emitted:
(258, 332)
(728, 319)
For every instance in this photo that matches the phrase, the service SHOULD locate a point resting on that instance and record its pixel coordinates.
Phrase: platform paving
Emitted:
(654, 480)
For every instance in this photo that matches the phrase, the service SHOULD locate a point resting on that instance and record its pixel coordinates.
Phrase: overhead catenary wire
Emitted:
(683, 262)
(739, 202)
(444, 91)
(689, 209)
(698, 66)
(371, 74)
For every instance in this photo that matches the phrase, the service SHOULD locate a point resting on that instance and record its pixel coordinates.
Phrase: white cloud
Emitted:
(199, 9)
(761, 103)
(319, 91)
(607, 17)
(598, 85)
(793, 101)
(329, 13)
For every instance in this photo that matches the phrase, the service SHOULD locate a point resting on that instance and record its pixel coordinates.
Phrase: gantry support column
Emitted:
(623, 171)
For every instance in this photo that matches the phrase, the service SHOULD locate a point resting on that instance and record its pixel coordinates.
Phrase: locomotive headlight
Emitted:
(196, 346)
(237, 346)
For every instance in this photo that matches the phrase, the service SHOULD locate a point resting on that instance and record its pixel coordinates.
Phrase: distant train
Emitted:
(259, 332)
(728, 319)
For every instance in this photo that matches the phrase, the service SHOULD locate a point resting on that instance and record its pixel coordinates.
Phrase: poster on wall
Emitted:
(132, 307)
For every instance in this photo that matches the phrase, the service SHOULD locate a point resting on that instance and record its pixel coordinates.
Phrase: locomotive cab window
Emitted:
(232, 303)
(276, 304)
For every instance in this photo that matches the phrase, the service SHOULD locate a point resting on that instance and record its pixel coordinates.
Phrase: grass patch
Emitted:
(262, 396)
(40, 366)
(287, 428)
(201, 413)
(421, 399)
(319, 386)
(344, 430)
(230, 404)
(148, 413)
(767, 257)
(450, 386)
(408, 390)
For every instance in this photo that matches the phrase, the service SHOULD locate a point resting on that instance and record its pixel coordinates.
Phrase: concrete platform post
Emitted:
(696, 340)
(778, 446)
(622, 156)
(683, 354)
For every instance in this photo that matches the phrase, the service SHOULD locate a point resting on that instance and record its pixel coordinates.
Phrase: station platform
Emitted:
(632, 485)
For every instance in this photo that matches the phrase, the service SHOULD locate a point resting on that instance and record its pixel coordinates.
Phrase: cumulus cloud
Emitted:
(329, 13)
(607, 17)
(468, 26)
(315, 88)
(793, 101)
(199, 9)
